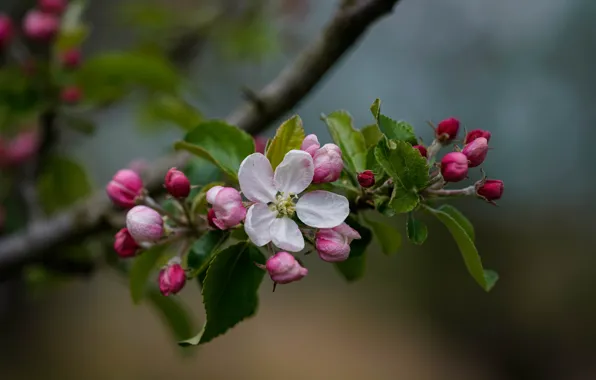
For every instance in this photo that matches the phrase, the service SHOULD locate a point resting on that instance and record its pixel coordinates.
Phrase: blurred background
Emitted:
(523, 70)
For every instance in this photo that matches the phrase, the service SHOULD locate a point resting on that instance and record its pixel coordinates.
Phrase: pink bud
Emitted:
(260, 144)
(124, 187)
(473, 135)
(71, 94)
(71, 59)
(177, 183)
(144, 224)
(40, 26)
(454, 167)
(228, 208)
(421, 149)
(210, 218)
(447, 129)
(171, 278)
(310, 144)
(333, 244)
(20, 149)
(124, 245)
(476, 151)
(491, 189)
(328, 164)
(5, 30)
(283, 268)
(366, 179)
(56, 7)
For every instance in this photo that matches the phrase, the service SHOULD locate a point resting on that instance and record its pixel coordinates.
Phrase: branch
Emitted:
(290, 87)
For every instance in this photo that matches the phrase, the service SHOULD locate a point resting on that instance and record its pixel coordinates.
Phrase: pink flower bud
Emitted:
(71, 94)
(71, 59)
(283, 268)
(454, 167)
(20, 149)
(124, 187)
(56, 7)
(124, 245)
(177, 183)
(310, 144)
(491, 189)
(260, 144)
(228, 208)
(333, 244)
(421, 149)
(171, 278)
(447, 129)
(5, 30)
(476, 151)
(328, 164)
(40, 26)
(210, 218)
(473, 135)
(366, 179)
(144, 224)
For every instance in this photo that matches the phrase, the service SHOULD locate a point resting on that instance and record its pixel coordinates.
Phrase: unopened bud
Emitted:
(421, 149)
(124, 244)
(71, 59)
(310, 144)
(171, 278)
(333, 244)
(283, 268)
(20, 149)
(447, 129)
(328, 164)
(124, 187)
(40, 26)
(260, 144)
(454, 167)
(366, 179)
(6, 31)
(177, 184)
(473, 135)
(476, 151)
(71, 94)
(144, 224)
(210, 217)
(228, 209)
(491, 189)
(56, 7)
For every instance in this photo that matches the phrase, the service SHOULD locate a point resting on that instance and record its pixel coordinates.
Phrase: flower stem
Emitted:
(150, 202)
(443, 193)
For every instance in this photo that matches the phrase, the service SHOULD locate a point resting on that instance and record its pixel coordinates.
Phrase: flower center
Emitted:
(284, 205)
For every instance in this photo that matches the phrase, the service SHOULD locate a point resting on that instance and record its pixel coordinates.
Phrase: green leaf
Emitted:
(397, 130)
(350, 140)
(62, 183)
(417, 230)
(388, 237)
(230, 290)
(173, 313)
(460, 219)
(353, 268)
(78, 123)
(372, 134)
(72, 31)
(375, 108)
(407, 168)
(141, 269)
(203, 250)
(486, 279)
(288, 136)
(223, 144)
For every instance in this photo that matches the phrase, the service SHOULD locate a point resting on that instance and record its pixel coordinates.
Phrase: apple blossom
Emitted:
(333, 244)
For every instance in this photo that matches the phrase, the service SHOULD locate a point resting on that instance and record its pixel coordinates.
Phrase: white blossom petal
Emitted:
(322, 209)
(256, 178)
(286, 235)
(294, 173)
(258, 223)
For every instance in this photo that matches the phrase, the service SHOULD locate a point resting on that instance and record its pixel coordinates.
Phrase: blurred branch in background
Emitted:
(348, 24)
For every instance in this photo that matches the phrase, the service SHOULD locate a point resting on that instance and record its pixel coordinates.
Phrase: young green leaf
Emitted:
(372, 134)
(62, 183)
(230, 290)
(486, 279)
(353, 268)
(173, 313)
(288, 136)
(460, 219)
(223, 144)
(407, 168)
(375, 108)
(204, 249)
(397, 130)
(417, 230)
(141, 269)
(388, 237)
(350, 140)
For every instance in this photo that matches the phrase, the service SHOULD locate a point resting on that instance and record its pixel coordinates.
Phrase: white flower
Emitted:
(275, 196)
